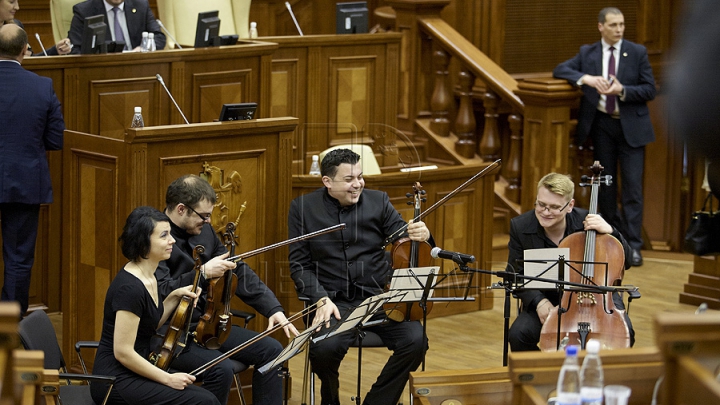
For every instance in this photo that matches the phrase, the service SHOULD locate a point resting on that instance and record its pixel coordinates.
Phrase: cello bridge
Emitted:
(582, 296)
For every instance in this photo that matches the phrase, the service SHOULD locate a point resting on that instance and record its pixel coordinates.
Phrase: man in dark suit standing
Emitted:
(126, 21)
(31, 122)
(617, 82)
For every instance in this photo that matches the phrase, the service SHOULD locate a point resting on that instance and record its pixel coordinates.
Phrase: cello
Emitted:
(180, 322)
(214, 325)
(582, 313)
(407, 253)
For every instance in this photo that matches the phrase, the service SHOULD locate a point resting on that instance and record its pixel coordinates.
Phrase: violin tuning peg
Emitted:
(408, 195)
(409, 202)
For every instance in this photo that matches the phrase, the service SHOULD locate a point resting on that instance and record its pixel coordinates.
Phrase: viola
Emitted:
(407, 253)
(587, 314)
(180, 322)
(215, 324)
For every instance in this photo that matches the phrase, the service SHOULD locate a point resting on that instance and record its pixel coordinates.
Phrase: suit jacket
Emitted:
(527, 233)
(635, 74)
(31, 122)
(138, 15)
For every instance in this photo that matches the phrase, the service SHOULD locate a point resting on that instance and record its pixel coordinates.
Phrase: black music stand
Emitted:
(293, 348)
(417, 286)
(356, 319)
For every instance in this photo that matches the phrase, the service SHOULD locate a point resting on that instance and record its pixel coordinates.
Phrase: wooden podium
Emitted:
(248, 164)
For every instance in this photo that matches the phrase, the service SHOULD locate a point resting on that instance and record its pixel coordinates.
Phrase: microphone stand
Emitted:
(160, 79)
(510, 278)
(169, 34)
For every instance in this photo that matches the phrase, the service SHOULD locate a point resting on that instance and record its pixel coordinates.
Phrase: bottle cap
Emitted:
(151, 35)
(253, 24)
(571, 350)
(315, 158)
(138, 109)
(144, 33)
(593, 346)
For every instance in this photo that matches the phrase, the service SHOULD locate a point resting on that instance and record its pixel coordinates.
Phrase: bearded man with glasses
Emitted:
(554, 217)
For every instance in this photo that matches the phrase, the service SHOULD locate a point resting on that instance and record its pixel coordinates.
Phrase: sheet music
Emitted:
(293, 348)
(404, 282)
(360, 314)
(550, 257)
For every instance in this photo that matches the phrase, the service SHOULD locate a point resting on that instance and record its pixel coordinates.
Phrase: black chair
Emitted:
(37, 333)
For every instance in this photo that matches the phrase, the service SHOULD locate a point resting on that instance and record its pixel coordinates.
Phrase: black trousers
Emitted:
(405, 339)
(613, 152)
(19, 232)
(524, 333)
(267, 388)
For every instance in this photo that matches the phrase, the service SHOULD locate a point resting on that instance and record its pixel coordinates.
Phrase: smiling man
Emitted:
(617, 82)
(343, 268)
(554, 217)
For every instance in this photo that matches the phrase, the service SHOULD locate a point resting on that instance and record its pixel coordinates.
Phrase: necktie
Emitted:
(610, 101)
(119, 37)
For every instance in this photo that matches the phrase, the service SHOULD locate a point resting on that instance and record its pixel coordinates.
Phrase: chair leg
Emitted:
(238, 384)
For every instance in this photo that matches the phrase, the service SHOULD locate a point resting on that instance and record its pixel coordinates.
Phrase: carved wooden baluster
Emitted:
(490, 144)
(442, 97)
(465, 125)
(514, 159)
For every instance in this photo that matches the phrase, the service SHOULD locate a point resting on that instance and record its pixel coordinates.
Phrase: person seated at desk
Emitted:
(126, 21)
(8, 8)
(133, 310)
(554, 218)
(343, 268)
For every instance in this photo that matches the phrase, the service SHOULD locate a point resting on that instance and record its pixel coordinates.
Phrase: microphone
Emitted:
(459, 258)
(169, 34)
(287, 4)
(160, 79)
(37, 36)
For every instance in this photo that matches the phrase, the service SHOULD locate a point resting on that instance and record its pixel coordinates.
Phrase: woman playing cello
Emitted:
(132, 313)
(554, 218)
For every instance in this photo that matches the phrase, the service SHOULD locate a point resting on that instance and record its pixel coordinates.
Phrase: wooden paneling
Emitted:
(338, 86)
(106, 178)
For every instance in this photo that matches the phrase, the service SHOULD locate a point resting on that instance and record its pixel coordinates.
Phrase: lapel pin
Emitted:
(135, 11)
(624, 53)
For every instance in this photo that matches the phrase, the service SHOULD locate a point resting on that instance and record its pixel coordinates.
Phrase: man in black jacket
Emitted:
(554, 217)
(189, 205)
(348, 266)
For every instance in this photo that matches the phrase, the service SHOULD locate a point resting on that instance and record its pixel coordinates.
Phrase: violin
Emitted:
(214, 325)
(180, 322)
(407, 253)
(585, 313)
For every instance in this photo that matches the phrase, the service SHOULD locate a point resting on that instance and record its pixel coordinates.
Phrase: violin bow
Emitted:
(251, 253)
(255, 339)
(492, 166)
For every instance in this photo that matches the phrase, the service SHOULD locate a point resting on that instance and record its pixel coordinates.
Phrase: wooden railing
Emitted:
(524, 122)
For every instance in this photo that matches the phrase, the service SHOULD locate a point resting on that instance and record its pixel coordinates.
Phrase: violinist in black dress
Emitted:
(132, 313)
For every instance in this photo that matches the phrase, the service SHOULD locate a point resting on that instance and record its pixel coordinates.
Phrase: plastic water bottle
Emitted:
(144, 45)
(151, 42)
(137, 121)
(253, 30)
(591, 375)
(568, 385)
(315, 166)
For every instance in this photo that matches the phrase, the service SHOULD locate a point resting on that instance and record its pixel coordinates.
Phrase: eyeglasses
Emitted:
(541, 206)
(204, 217)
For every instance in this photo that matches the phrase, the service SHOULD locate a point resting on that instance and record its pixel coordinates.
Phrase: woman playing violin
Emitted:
(133, 312)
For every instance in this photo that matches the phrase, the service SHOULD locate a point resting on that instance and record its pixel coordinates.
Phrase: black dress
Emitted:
(128, 293)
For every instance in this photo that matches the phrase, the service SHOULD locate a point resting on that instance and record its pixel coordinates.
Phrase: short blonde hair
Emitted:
(560, 184)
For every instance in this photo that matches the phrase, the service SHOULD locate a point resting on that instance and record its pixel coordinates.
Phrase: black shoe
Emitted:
(637, 259)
